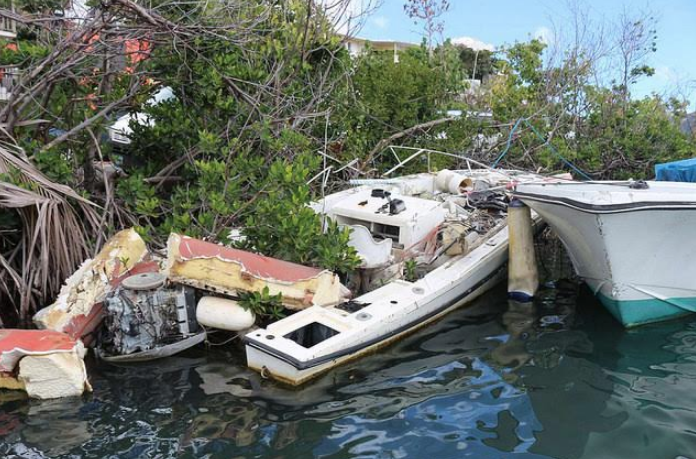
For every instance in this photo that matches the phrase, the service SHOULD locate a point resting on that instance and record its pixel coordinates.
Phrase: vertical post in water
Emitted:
(523, 277)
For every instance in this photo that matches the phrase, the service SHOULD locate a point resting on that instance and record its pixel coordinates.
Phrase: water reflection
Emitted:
(36, 423)
(548, 355)
(558, 378)
(654, 376)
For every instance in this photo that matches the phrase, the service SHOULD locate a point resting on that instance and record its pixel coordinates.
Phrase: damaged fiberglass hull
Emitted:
(392, 311)
(225, 270)
(44, 363)
(634, 247)
(446, 232)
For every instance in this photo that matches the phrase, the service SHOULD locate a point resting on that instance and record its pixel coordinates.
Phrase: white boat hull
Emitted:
(637, 255)
(395, 310)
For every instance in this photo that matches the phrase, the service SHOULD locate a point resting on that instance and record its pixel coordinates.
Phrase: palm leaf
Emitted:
(58, 227)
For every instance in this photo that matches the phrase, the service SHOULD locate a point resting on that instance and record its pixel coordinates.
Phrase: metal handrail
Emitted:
(324, 174)
(429, 152)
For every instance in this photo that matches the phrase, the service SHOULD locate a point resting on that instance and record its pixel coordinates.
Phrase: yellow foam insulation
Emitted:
(91, 282)
(54, 375)
(221, 275)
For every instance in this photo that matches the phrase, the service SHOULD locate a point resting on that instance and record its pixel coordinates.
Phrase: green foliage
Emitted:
(37, 6)
(138, 196)
(484, 61)
(622, 141)
(525, 60)
(387, 97)
(26, 51)
(252, 153)
(283, 226)
(410, 270)
(54, 162)
(519, 89)
(601, 130)
(398, 95)
(263, 304)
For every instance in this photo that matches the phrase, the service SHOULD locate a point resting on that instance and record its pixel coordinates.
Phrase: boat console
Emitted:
(405, 220)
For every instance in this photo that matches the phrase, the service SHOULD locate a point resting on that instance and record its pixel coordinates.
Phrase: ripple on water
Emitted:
(556, 379)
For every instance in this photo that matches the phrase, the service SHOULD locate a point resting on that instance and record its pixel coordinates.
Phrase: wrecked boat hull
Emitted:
(447, 233)
(225, 270)
(158, 352)
(44, 363)
(286, 372)
(78, 310)
(618, 243)
(395, 310)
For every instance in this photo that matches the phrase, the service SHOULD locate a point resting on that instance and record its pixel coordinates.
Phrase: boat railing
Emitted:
(417, 152)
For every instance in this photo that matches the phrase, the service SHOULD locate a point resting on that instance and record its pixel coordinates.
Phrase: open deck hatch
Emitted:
(311, 334)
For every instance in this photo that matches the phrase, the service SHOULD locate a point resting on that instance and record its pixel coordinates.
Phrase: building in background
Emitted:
(357, 46)
(8, 33)
(8, 27)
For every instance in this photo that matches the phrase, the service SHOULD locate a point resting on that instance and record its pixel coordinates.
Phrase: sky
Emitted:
(500, 22)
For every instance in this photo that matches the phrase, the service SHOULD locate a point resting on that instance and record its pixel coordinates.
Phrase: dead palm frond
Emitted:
(58, 227)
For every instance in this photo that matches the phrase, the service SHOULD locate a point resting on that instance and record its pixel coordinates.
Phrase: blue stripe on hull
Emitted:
(639, 312)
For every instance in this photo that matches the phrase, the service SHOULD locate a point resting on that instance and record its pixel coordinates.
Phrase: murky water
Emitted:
(556, 379)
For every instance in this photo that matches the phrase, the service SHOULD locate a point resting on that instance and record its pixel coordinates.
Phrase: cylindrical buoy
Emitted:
(523, 277)
(223, 314)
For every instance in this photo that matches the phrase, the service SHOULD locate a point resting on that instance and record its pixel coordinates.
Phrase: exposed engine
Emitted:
(143, 314)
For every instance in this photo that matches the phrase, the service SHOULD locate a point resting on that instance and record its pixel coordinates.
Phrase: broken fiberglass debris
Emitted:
(78, 310)
(44, 363)
(208, 266)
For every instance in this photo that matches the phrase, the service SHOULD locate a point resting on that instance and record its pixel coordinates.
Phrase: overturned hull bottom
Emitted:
(284, 371)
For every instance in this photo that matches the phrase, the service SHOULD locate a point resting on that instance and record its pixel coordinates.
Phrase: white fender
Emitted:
(224, 314)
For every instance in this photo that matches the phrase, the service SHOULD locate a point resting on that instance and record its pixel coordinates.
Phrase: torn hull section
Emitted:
(15, 344)
(54, 375)
(78, 310)
(157, 352)
(225, 270)
(44, 363)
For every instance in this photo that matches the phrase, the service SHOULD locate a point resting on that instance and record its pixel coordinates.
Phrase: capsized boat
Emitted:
(429, 243)
(632, 242)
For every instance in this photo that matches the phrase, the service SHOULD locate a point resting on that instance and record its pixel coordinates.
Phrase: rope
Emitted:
(508, 144)
(546, 143)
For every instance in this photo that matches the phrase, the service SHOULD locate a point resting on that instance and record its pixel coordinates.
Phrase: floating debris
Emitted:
(44, 363)
(224, 314)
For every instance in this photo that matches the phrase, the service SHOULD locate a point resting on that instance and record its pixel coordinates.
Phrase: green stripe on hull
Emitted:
(639, 312)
